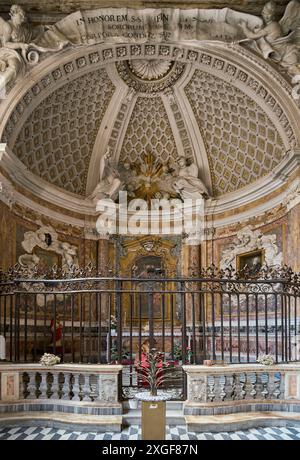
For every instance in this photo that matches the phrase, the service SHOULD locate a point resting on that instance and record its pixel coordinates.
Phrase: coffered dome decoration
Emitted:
(242, 142)
(57, 139)
(213, 105)
(148, 130)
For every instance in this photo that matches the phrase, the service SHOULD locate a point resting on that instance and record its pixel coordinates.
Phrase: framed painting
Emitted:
(146, 267)
(253, 260)
(48, 258)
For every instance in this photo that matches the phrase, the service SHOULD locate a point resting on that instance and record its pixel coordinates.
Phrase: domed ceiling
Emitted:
(137, 106)
(57, 139)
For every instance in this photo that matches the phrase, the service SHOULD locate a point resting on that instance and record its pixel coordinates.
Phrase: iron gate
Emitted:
(84, 317)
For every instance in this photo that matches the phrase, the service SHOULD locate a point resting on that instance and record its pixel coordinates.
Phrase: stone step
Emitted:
(240, 421)
(175, 405)
(134, 417)
(87, 423)
(172, 405)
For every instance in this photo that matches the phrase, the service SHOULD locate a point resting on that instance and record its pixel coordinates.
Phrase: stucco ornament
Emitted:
(248, 240)
(46, 238)
(197, 390)
(278, 40)
(110, 182)
(293, 195)
(187, 183)
(151, 179)
(19, 48)
(150, 69)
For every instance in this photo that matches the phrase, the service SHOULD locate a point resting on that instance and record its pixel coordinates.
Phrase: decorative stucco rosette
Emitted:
(152, 69)
(150, 75)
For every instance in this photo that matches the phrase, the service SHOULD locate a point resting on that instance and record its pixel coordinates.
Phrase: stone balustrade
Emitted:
(93, 385)
(241, 388)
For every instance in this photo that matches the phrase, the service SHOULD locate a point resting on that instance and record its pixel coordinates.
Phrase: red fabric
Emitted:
(58, 331)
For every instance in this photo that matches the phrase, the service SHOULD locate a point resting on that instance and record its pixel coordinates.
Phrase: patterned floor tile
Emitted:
(134, 433)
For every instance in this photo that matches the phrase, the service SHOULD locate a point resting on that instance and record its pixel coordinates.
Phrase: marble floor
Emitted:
(134, 433)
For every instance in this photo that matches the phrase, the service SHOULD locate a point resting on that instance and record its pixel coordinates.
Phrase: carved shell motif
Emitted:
(152, 69)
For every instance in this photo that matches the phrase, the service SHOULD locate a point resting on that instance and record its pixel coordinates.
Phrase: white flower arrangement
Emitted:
(267, 360)
(49, 360)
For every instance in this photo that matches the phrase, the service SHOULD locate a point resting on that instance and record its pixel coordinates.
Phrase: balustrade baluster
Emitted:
(55, 393)
(43, 386)
(86, 389)
(233, 386)
(94, 387)
(211, 386)
(66, 387)
(76, 388)
(253, 381)
(264, 380)
(32, 386)
(277, 385)
(243, 391)
(23, 385)
(222, 382)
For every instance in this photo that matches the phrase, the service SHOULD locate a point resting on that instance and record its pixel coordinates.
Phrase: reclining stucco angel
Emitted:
(18, 40)
(278, 40)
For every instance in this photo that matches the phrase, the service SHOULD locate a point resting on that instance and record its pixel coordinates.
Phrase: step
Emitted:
(134, 417)
(175, 405)
(87, 423)
(170, 405)
(240, 421)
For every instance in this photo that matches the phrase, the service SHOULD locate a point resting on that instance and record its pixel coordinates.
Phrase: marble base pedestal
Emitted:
(153, 415)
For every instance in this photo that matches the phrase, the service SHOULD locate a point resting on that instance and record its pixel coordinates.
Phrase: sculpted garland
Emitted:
(22, 44)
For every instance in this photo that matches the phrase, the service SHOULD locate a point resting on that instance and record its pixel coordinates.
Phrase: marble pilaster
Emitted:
(294, 238)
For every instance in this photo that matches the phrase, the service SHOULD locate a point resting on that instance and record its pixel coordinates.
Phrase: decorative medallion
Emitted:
(152, 69)
(150, 75)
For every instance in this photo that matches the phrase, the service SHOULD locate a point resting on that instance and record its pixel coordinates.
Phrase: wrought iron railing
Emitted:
(86, 317)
